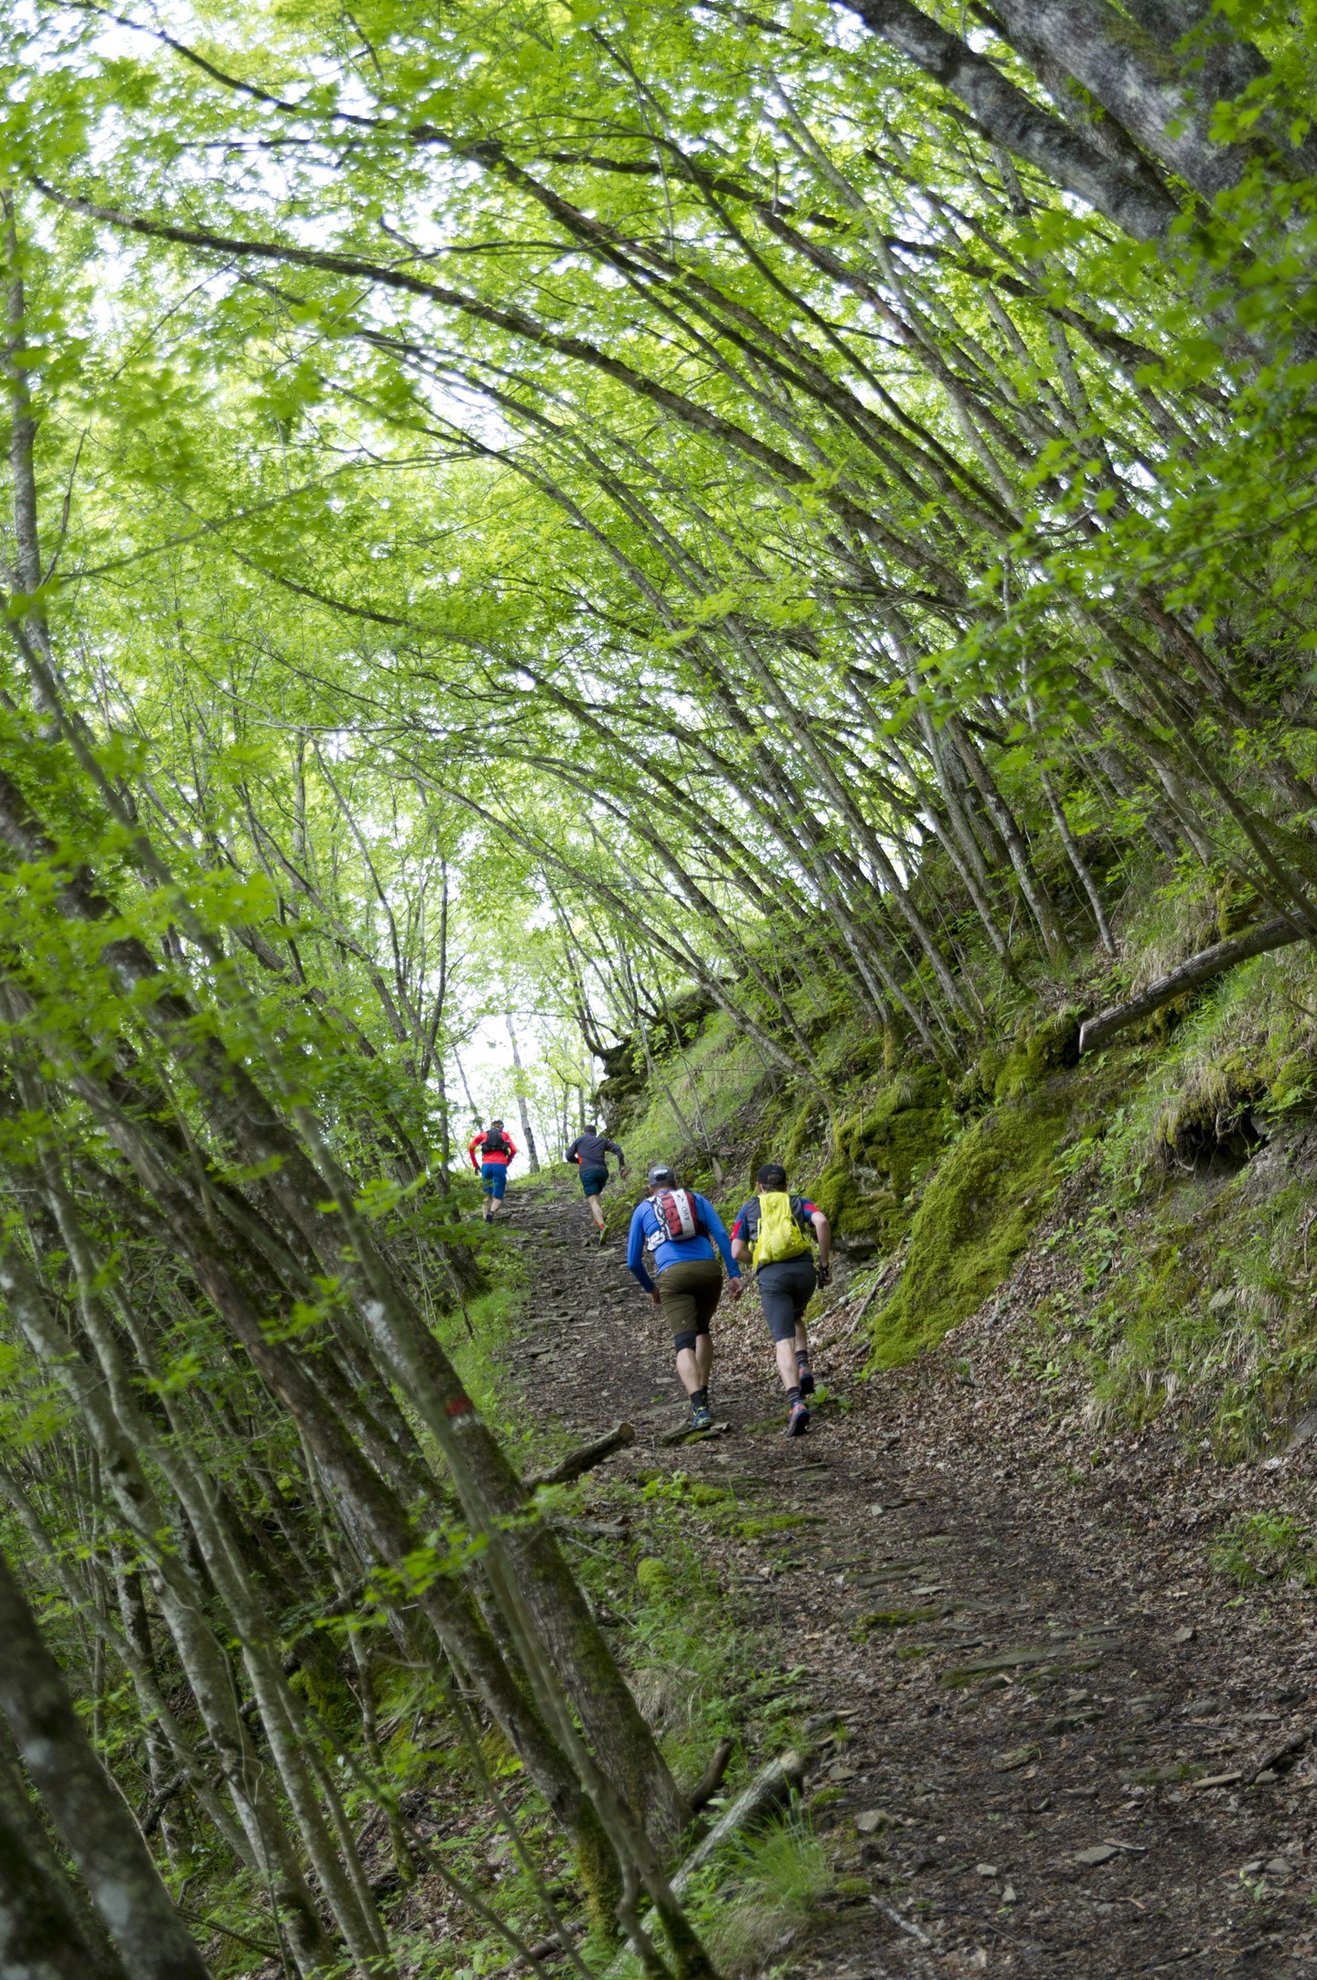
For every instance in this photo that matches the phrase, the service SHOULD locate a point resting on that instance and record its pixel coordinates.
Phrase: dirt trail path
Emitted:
(1048, 1769)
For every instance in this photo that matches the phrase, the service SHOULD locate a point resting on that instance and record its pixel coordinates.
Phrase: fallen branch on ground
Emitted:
(712, 1778)
(543, 1949)
(904, 1924)
(775, 1784)
(577, 1463)
(680, 1436)
(1189, 975)
(884, 1282)
(770, 1788)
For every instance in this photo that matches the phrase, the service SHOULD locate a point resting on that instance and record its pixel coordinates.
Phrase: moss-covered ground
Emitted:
(1189, 1140)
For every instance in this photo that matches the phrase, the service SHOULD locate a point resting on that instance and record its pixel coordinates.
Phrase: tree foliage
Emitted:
(528, 512)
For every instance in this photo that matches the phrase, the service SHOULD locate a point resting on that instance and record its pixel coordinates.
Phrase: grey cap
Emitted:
(661, 1173)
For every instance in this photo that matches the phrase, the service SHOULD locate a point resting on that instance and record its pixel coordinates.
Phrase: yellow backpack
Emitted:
(778, 1234)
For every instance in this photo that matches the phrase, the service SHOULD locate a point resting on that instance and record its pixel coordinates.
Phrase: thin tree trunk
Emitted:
(532, 1153)
(47, 1931)
(86, 1808)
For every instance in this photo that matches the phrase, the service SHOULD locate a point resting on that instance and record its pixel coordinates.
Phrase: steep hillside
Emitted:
(1129, 1230)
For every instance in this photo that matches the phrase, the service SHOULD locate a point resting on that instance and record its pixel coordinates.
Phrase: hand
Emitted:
(735, 1287)
(656, 1301)
(825, 1271)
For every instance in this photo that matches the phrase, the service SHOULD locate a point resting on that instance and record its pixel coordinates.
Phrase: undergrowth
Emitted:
(1184, 1273)
(1267, 1547)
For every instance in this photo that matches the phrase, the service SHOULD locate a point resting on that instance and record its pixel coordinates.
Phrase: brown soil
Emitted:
(1049, 1738)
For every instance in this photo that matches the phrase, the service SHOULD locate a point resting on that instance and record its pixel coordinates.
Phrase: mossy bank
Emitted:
(1169, 1177)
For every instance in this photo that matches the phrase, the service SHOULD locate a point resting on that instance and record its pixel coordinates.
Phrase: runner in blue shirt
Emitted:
(675, 1230)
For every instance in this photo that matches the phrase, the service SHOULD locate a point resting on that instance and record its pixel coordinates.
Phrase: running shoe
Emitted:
(806, 1376)
(798, 1420)
(702, 1418)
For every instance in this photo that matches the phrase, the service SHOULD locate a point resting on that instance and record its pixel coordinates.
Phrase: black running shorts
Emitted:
(786, 1288)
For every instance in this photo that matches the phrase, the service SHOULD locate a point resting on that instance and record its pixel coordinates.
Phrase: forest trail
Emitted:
(1043, 1749)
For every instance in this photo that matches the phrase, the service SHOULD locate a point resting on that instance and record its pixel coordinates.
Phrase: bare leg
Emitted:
(785, 1352)
(596, 1210)
(693, 1364)
(688, 1371)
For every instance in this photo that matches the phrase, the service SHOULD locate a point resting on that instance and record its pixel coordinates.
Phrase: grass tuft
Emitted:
(1267, 1547)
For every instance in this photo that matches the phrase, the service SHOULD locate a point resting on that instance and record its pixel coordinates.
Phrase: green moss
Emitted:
(882, 1153)
(652, 1574)
(803, 1132)
(889, 1619)
(756, 1529)
(974, 1220)
(1042, 1046)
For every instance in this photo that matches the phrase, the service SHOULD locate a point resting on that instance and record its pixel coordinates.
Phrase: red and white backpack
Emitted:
(678, 1217)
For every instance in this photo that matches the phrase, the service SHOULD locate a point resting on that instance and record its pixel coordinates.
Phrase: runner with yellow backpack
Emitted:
(774, 1232)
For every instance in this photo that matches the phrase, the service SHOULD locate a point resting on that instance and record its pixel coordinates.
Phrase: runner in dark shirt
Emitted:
(591, 1150)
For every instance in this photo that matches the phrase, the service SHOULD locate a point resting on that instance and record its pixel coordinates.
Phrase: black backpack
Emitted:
(494, 1143)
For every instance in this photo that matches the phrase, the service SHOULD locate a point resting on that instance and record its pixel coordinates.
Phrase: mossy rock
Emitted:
(975, 1218)
(1237, 905)
(882, 1154)
(758, 1529)
(1042, 1047)
(1210, 1115)
(653, 1576)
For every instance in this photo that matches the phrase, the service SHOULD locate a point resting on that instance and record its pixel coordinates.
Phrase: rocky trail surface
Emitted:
(1047, 1745)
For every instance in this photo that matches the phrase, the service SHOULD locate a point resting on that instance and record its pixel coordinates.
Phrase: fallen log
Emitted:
(770, 1788)
(577, 1463)
(1189, 975)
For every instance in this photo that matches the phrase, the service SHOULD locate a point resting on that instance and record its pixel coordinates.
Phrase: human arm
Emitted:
(573, 1153)
(474, 1143)
(713, 1223)
(741, 1235)
(635, 1250)
(823, 1232)
(511, 1147)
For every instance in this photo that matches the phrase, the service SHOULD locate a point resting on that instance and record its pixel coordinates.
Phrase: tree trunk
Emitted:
(48, 1930)
(1011, 119)
(84, 1805)
(532, 1153)
(1189, 975)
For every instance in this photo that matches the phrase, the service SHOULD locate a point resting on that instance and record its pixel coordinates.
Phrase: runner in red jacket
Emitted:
(496, 1151)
